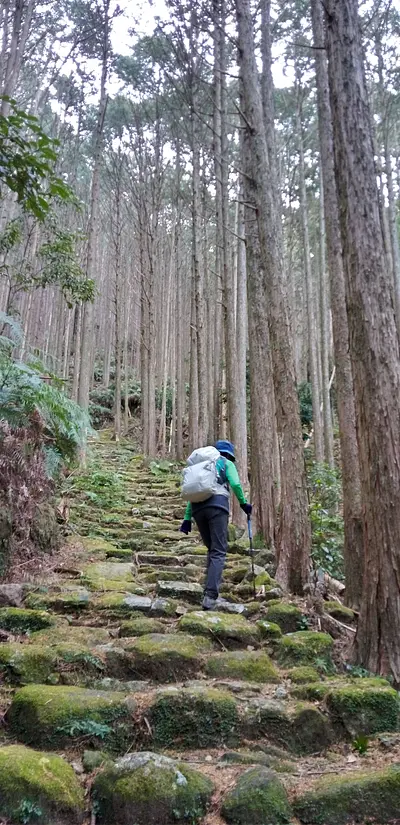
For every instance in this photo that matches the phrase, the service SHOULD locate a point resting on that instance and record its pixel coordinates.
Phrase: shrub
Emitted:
(326, 519)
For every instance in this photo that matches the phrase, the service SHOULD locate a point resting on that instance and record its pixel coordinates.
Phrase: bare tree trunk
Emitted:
(312, 337)
(88, 312)
(22, 19)
(374, 345)
(241, 332)
(353, 534)
(193, 380)
(294, 538)
(324, 327)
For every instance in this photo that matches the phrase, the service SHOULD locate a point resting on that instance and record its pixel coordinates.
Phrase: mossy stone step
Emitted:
(257, 798)
(250, 665)
(188, 591)
(141, 627)
(169, 657)
(158, 559)
(21, 664)
(39, 787)
(287, 616)
(364, 709)
(341, 800)
(58, 717)
(232, 630)
(71, 635)
(117, 604)
(199, 718)
(20, 620)
(305, 647)
(150, 789)
(66, 599)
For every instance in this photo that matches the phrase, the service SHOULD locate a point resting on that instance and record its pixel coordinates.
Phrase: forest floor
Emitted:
(123, 703)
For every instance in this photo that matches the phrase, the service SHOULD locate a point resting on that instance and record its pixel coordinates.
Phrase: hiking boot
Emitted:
(208, 603)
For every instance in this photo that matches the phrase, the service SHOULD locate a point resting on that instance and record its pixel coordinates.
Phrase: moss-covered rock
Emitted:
(338, 800)
(117, 604)
(305, 647)
(22, 664)
(115, 571)
(56, 717)
(39, 787)
(91, 760)
(312, 691)
(287, 616)
(198, 718)
(20, 620)
(169, 657)
(250, 665)
(71, 635)
(232, 630)
(69, 599)
(141, 627)
(165, 608)
(302, 675)
(270, 718)
(311, 730)
(257, 798)
(269, 630)
(150, 789)
(187, 591)
(364, 709)
(340, 612)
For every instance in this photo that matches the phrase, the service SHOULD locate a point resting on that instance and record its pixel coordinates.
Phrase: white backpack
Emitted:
(200, 477)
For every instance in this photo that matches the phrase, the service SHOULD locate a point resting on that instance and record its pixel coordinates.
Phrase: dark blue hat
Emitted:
(226, 447)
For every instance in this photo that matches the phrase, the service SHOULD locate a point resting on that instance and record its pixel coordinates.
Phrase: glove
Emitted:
(247, 508)
(186, 527)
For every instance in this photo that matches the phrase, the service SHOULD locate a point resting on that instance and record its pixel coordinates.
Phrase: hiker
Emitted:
(212, 514)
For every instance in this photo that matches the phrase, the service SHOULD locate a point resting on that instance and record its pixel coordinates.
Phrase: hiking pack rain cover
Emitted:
(200, 477)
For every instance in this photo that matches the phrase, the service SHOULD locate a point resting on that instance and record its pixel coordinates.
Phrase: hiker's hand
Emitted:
(247, 508)
(186, 526)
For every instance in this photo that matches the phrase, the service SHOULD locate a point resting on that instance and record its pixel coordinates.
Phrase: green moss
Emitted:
(339, 800)
(287, 616)
(257, 798)
(266, 579)
(302, 675)
(252, 666)
(19, 620)
(364, 710)
(311, 730)
(305, 647)
(60, 716)
(40, 783)
(22, 664)
(118, 553)
(314, 692)
(164, 607)
(269, 630)
(169, 657)
(232, 630)
(91, 760)
(146, 788)
(340, 612)
(72, 635)
(68, 600)
(141, 627)
(198, 718)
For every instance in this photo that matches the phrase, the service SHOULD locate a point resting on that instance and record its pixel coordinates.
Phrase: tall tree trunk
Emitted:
(374, 346)
(311, 322)
(324, 327)
(353, 534)
(294, 538)
(88, 311)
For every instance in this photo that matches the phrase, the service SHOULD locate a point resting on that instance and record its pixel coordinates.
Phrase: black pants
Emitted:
(213, 527)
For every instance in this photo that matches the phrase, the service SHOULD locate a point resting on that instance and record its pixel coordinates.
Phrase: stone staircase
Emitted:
(123, 703)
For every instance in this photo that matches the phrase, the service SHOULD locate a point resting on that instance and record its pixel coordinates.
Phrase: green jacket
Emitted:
(233, 480)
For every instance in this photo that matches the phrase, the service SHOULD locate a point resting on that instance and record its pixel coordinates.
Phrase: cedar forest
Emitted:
(199, 239)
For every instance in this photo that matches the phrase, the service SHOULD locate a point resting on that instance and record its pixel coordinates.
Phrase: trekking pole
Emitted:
(250, 532)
